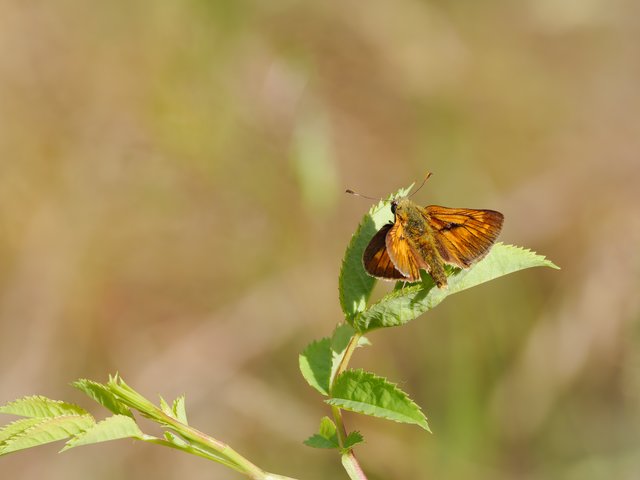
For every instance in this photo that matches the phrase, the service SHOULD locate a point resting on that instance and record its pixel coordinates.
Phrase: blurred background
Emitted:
(172, 207)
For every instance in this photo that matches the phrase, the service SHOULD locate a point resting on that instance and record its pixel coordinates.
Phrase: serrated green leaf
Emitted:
(164, 406)
(320, 360)
(403, 305)
(328, 429)
(101, 394)
(340, 338)
(327, 436)
(49, 429)
(352, 440)
(315, 364)
(16, 428)
(354, 284)
(318, 441)
(363, 392)
(37, 406)
(179, 409)
(115, 427)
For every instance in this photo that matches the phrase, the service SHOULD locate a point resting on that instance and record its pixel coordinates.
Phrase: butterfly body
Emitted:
(427, 238)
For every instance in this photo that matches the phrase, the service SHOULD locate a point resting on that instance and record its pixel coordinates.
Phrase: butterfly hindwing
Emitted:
(376, 260)
(463, 235)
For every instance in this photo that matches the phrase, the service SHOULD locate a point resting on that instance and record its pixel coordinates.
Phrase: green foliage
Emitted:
(101, 394)
(327, 436)
(40, 407)
(47, 421)
(111, 428)
(17, 428)
(352, 440)
(179, 410)
(176, 410)
(46, 430)
(51, 420)
(363, 392)
(315, 364)
(130, 398)
(319, 361)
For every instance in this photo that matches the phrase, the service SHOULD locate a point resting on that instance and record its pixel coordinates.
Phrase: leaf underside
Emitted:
(315, 364)
(112, 428)
(366, 393)
(47, 430)
(37, 406)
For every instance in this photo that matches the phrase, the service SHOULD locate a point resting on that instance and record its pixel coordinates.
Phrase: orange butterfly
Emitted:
(427, 238)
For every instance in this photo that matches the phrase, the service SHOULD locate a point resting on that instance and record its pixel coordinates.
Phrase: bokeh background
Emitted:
(172, 207)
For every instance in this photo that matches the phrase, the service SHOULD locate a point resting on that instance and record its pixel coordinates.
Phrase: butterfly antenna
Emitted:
(421, 185)
(351, 192)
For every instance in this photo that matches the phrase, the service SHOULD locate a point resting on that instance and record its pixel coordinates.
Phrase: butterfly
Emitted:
(427, 238)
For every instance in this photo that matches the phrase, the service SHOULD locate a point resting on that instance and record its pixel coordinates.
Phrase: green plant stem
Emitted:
(346, 357)
(199, 443)
(208, 443)
(349, 460)
(342, 366)
(337, 418)
(235, 460)
(351, 465)
(193, 451)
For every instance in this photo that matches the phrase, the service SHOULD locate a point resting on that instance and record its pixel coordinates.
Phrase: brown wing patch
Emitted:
(463, 235)
(376, 260)
(402, 253)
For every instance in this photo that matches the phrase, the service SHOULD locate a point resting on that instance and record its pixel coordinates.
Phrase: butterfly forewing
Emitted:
(463, 235)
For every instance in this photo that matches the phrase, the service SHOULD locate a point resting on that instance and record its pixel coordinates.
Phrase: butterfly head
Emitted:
(400, 208)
